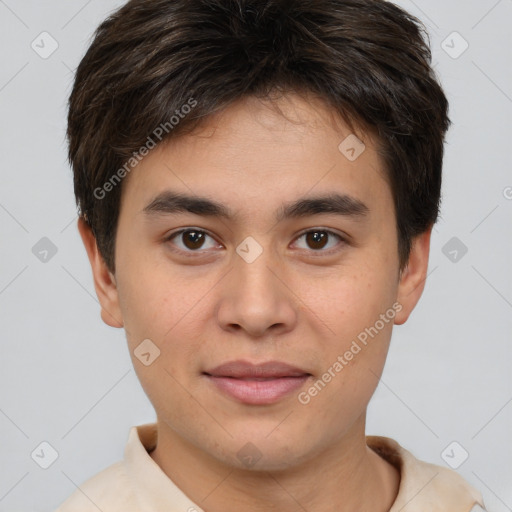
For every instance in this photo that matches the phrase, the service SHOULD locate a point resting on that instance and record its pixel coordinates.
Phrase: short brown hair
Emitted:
(368, 59)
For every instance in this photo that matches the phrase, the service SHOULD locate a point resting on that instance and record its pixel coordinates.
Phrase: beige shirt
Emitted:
(137, 484)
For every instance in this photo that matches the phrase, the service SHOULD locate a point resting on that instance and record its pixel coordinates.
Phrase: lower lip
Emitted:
(258, 392)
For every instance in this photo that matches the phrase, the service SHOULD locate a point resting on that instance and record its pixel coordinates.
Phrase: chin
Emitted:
(259, 454)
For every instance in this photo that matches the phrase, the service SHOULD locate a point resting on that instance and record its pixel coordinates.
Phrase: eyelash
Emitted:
(199, 252)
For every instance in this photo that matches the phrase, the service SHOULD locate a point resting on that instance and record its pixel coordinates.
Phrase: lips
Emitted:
(245, 370)
(257, 384)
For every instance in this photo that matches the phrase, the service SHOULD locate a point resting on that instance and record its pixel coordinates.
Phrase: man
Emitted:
(257, 183)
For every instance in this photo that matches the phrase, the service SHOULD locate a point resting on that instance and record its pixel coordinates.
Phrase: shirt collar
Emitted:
(423, 486)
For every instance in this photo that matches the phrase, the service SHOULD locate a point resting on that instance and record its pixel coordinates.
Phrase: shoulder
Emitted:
(108, 490)
(425, 486)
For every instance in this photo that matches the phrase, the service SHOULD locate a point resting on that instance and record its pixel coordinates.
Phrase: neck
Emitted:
(347, 473)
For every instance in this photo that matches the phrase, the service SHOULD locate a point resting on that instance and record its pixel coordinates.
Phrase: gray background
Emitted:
(67, 379)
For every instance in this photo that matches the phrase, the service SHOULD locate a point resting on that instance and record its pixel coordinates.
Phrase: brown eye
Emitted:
(191, 240)
(317, 239)
(320, 239)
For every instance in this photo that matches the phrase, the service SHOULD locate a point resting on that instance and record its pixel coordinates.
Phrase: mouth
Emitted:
(257, 384)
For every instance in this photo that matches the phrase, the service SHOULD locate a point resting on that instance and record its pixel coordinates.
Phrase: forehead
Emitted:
(256, 150)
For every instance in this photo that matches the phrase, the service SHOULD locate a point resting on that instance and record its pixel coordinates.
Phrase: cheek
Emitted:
(360, 309)
(155, 311)
(353, 302)
(166, 309)
(353, 362)
(149, 296)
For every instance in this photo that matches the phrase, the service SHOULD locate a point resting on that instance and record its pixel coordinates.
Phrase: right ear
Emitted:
(104, 280)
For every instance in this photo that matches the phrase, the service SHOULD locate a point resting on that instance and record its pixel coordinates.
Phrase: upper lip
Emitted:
(244, 369)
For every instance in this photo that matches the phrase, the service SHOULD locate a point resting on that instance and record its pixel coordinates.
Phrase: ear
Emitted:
(413, 276)
(104, 280)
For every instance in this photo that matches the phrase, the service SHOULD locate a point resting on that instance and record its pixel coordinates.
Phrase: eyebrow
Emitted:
(170, 202)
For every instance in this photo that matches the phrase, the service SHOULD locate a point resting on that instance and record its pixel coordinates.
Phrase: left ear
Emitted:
(413, 276)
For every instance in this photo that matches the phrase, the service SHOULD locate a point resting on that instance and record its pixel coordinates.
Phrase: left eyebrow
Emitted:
(338, 204)
(170, 202)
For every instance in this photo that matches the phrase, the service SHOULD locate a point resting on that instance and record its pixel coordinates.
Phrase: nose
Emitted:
(255, 298)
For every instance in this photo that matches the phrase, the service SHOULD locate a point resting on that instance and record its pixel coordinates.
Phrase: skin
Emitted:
(294, 303)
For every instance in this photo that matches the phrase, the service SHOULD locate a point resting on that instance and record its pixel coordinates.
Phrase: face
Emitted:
(269, 304)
